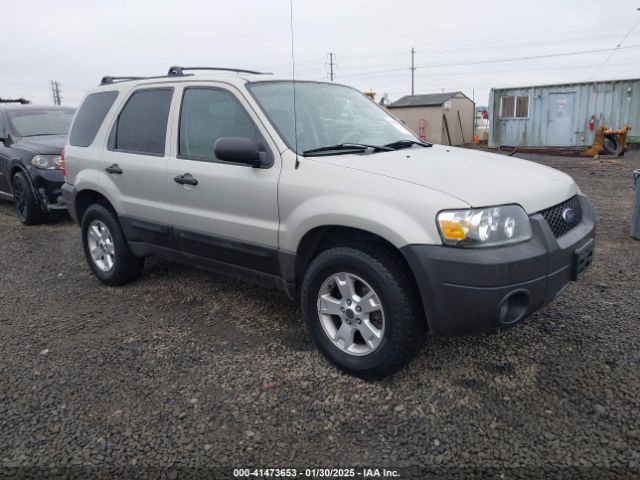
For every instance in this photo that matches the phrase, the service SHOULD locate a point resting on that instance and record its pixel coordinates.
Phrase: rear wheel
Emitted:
(106, 248)
(362, 311)
(27, 208)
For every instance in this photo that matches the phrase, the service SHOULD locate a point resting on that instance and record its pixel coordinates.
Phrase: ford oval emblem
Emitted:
(568, 215)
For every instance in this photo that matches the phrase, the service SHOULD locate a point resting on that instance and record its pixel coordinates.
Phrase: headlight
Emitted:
(484, 227)
(46, 162)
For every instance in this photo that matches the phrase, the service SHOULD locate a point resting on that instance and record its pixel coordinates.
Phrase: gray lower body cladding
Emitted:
(464, 291)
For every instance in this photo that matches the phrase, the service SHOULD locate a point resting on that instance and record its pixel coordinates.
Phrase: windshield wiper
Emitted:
(41, 134)
(406, 144)
(348, 147)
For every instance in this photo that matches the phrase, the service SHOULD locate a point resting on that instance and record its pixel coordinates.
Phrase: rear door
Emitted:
(135, 164)
(231, 215)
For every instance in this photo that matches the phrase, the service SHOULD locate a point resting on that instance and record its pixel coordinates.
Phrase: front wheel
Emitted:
(362, 311)
(27, 208)
(106, 248)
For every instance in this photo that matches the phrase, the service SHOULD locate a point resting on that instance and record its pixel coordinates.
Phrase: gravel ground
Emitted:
(184, 372)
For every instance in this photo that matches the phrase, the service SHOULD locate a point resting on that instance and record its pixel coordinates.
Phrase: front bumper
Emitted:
(467, 291)
(48, 185)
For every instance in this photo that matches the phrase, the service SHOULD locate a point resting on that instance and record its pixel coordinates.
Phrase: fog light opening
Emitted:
(513, 307)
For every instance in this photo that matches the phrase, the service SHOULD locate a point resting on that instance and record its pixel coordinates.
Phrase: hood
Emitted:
(43, 144)
(478, 178)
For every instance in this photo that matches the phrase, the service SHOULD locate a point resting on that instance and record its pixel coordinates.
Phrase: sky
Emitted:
(464, 45)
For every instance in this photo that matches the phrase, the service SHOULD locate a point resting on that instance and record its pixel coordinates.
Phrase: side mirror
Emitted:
(240, 150)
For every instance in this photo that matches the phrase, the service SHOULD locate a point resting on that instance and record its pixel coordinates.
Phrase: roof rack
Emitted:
(176, 71)
(21, 100)
(179, 71)
(109, 79)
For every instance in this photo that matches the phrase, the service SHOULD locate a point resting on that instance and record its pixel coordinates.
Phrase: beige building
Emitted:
(445, 118)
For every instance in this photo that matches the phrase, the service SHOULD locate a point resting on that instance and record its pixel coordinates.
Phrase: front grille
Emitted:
(553, 215)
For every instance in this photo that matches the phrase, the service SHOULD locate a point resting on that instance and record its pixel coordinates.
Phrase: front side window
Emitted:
(514, 106)
(327, 114)
(31, 122)
(142, 123)
(209, 114)
(90, 117)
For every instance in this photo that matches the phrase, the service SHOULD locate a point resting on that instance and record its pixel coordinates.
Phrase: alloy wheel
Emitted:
(20, 198)
(351, 314)
(101, 246)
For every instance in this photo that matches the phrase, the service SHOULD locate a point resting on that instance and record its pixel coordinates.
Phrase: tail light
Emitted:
(62, 166)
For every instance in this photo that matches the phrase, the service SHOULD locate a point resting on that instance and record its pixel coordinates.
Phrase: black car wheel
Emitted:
(362, 311)
(29, 212)
(106, 248)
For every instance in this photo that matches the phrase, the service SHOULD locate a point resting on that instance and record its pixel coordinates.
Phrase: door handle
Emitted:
(114, 169)
(185, 179)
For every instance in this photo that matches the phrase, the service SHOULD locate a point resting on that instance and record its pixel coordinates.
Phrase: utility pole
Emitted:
(413, 69)
(331, 65)
(55, 91)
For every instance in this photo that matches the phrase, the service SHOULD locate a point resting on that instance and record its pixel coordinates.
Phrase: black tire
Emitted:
(126, 266)
(404, 324)
(612, 145)
(27, 208)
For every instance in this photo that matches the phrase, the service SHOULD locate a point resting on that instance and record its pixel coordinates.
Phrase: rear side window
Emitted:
(90, 117)
(142, 123)
(207, 115)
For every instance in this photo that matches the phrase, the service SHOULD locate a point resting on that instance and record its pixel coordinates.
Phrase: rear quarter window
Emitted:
(89, 118)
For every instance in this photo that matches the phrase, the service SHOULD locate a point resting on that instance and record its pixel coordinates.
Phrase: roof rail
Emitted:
(179, 71)
(176, 71)
(21, 100)
(109, 79)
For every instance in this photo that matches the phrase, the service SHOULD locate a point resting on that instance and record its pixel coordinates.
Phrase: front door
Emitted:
(560, 131)
(231, 214)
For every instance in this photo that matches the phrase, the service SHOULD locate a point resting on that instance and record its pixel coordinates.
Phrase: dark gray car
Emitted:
(31, 141)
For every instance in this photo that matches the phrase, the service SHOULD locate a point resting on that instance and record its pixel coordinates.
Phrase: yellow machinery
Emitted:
(609, 141)
(371, 94)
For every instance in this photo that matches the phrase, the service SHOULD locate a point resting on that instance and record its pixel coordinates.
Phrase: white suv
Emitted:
(312, 188)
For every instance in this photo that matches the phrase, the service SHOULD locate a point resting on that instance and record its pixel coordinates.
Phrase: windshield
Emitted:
(327, 114)
(40, 121)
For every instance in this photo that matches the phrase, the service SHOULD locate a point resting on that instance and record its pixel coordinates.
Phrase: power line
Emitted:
(615, 49)
(502, 60)
(539, 37)
(511, 70)
(588, 34)
(493, 44)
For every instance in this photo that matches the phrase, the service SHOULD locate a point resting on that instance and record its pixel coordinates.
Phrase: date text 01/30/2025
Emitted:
(315, 473)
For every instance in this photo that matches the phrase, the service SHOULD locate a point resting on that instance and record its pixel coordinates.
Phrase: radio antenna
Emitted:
(293, 65)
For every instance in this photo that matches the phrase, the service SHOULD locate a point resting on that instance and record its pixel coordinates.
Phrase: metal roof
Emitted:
(427, 100)
(565, 84)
